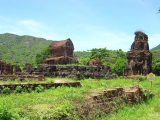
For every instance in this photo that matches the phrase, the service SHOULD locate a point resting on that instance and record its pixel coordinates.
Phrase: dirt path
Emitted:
(60, 81)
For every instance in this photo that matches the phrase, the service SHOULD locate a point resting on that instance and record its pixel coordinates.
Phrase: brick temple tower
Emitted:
(61, 52)
(139, 59)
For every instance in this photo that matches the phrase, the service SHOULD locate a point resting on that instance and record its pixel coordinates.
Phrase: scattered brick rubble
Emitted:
(61, 53)
(26, 67)
(110, 100)
(139, 59)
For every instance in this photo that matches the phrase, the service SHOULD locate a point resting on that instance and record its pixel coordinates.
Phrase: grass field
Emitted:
(58, 103)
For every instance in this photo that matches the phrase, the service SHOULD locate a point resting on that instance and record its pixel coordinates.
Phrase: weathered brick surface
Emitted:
(61, 53)
(139, 59)
(107, 100)
(8, 69)
(95, 62)
(71, 71)
(21, 77)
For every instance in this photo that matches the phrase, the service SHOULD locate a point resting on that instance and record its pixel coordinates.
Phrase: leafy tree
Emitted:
(83, 61)
(119, 66)
(120, 54)
(45, 53)
(156, 69)
(155, 61)
(100, 53)
(79, 54)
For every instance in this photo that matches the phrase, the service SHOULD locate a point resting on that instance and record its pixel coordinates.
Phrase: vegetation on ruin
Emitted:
(58, 103)
(107, 57)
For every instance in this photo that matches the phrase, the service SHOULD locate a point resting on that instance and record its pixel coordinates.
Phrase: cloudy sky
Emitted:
(88, 23)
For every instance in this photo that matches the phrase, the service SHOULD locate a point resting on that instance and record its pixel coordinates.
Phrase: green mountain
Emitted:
(156, 48)
(15, 49)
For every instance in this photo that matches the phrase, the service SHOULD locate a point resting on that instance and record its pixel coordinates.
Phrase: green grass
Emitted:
(58, 103)
(30, 80)
(144, 111)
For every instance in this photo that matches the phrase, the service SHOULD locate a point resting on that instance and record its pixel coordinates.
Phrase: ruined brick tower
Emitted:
(61, 53)
(139, 59)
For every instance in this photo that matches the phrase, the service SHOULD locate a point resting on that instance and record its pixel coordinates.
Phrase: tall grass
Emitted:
(58, 103)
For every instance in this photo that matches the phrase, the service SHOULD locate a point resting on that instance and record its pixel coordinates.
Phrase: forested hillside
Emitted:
(156, 48)
(19, 50)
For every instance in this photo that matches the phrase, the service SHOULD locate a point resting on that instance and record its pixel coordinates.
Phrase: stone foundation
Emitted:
(75, 72)
(110, 100)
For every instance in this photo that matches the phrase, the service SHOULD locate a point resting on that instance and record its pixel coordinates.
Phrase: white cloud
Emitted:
(31, 25)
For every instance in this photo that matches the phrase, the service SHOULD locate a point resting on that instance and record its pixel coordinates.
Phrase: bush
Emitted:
(119, 66)
(83, 61)
(156, 68)
(6, 90)
(147, 95)
(40, 88)
(82, 77)
(5, 114)
(45, 53)
(18, 89)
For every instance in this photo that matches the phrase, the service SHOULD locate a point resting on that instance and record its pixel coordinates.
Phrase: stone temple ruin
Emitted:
(8, 69)
(139, 59)
(61, 53)
(75, 72)
(95, 62)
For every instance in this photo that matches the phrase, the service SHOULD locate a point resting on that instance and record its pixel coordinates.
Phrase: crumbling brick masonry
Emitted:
(139, 59)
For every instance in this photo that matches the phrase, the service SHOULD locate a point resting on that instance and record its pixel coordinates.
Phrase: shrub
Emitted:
(119, 66)
(40, 88)
(5, 114)
(18, 89)
(156, 68)
(82, 77)
(25, 89)
(6, 90)
(147, 95)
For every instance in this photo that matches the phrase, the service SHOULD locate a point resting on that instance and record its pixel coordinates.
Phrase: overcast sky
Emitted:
(88, 23)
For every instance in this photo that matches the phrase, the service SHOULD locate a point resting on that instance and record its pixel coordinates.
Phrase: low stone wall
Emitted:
(45, 85)
(76, 72)
(21, 77)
